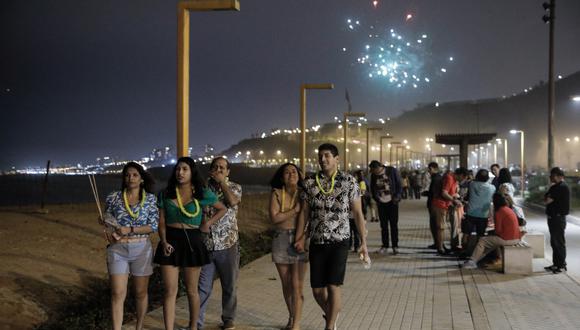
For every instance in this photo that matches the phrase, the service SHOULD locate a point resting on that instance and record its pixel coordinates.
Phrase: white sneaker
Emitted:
(469, 264)
(382, 250)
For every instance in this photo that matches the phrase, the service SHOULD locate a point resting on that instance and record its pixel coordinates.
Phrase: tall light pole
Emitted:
(522, 165)
(505, 152)
(344, 129)
(397, 154)
(368, 141)
(303, 89)
(183, 17)
(550, 17)
(391, 151)
(384, 137)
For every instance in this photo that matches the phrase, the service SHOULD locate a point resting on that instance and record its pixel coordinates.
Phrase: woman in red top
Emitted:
(507, 232)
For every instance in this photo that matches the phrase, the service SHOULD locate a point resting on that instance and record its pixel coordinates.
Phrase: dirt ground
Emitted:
(47, 258)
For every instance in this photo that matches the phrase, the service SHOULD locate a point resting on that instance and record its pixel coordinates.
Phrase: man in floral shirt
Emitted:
(328, 198)
(222, 244)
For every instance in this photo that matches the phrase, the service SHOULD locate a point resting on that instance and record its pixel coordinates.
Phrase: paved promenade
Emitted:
(413, 290)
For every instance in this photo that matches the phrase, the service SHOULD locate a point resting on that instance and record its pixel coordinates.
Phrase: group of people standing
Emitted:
(198, 231)
(197, 223)
(314, 220)
(482, 215)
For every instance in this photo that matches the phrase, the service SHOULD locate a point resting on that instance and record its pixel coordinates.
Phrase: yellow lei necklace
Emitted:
(331, 185)
(128, 207)
(183, 210)
(284, 198)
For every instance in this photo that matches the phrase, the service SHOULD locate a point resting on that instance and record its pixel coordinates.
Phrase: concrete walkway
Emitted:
(413, 290)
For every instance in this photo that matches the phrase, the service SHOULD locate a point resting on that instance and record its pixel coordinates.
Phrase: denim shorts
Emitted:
(135, 258)
(283, 251)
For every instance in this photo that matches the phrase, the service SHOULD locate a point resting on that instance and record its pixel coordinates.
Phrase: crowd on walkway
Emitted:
(316, 219)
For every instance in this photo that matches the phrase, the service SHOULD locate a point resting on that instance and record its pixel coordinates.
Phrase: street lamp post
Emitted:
(402, 155)
(505, 152)
(381, 149)
(303, 89)
(522, 165)
(344, 129)
(368, 140)
(183, 17)
(550, 8)
(391, 152)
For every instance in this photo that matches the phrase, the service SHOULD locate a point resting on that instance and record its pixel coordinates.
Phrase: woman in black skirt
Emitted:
(181, 225)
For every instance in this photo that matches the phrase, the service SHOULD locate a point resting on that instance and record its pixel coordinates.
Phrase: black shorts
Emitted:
(189, 249)
(328, 263)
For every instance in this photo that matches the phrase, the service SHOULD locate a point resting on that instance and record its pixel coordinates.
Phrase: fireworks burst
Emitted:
(388, 55)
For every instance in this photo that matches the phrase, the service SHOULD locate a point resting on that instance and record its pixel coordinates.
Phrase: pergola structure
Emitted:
(463, 141)
(448, 158)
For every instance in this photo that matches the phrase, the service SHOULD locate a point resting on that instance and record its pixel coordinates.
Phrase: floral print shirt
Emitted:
(328, 221)
(148, 214)
(224, 233)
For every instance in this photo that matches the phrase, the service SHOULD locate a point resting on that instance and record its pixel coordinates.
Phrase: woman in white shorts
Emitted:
(291, 265)
(134, 209)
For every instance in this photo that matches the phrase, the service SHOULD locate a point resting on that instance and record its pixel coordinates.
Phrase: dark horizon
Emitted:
(82, 80)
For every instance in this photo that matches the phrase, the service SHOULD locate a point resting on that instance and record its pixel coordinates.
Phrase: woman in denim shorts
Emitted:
(291, 265)
(133, 213)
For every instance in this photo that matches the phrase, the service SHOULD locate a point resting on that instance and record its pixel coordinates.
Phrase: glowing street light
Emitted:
(523, 180)
(381, 148)
(344, 129)
(576, 98)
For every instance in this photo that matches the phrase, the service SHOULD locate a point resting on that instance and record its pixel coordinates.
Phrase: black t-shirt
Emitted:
(560, 193)
(435, 186)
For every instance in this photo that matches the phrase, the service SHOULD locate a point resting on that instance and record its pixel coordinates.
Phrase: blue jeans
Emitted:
(227, 264)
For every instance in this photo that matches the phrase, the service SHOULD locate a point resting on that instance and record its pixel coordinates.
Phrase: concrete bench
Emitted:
(517, 259)
(537, 241)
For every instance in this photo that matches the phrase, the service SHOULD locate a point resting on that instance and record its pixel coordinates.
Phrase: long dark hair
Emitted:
(147, 178)
(278, 178)
(482, 175)
(504, 176)
(196, 179)
(499, 201)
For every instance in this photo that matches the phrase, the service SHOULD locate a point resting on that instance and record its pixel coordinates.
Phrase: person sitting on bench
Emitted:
(507, 232)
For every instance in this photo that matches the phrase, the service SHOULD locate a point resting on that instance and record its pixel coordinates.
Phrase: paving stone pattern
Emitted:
(413, 290)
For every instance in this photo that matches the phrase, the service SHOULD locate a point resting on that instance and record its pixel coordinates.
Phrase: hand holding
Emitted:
(204, 227)
(167, 249)
(299, 246)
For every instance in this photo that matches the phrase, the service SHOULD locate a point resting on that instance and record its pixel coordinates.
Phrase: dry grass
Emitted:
(55, 261)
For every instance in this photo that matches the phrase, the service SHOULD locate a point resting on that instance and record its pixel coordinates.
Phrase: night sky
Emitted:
(83, 79)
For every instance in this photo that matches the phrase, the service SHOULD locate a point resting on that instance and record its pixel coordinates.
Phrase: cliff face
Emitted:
(525, 111)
